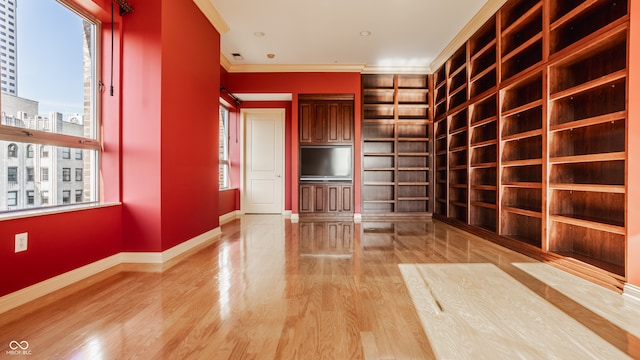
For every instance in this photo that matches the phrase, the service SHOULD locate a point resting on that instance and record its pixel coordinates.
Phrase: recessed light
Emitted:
(259, 33)
(271, 56)
(365, 33)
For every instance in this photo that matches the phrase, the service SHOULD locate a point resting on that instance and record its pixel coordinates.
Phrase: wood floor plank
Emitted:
(273, 289)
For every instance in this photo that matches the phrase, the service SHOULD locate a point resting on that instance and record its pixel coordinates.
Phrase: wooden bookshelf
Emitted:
(542, 160)
(396, 145)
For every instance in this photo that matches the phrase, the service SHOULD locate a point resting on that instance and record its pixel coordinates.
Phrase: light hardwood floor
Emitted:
(270, 289)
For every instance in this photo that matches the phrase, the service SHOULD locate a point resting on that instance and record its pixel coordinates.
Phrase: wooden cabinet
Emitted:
(326, 198)
(396, 145)
(326, 121)
(531, 133)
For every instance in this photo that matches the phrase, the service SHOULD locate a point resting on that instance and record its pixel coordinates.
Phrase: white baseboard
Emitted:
(287, 214)
(632, 292)
(230, 216)
(30, 293)
(295, 218)
(167, 255)
(357, 218)
(35, 291)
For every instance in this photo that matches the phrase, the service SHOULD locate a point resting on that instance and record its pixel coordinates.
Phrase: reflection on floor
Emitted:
(336, 290)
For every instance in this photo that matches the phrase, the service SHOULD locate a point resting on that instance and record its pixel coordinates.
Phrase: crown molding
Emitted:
(273, 68)
(213, 15)
(225, 63)
(485, 13)
(359, 68)
(397, 70)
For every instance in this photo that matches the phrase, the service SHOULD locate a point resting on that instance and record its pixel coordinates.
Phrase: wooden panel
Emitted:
(306, 126)
(306, 198)
(320, 127)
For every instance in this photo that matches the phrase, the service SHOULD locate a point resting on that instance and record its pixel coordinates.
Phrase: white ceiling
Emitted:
(326, 33)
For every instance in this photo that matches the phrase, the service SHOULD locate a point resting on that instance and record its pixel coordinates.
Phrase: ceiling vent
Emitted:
(237, 56)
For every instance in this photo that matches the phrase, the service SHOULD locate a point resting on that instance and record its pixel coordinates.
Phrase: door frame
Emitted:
(280, 112)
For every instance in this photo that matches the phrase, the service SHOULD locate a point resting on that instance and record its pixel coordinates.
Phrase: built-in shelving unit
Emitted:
(530, 133)
(396, 143)
(441, 142)
(483, 127)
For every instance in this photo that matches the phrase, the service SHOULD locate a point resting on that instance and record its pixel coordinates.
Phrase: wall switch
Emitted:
(21, 241)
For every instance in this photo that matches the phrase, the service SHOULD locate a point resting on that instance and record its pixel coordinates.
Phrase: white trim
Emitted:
(30, 293)
(230, 216)
(20, 214)
(163, 257)
(375, 69)
(264, 97)
(632, 292)
(357, 218)
(276, 68)
(295, 218)
(212, 14)
(35, 291)
(484, 14)
(287, 214)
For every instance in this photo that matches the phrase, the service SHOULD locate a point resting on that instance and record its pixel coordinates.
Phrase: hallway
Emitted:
(270, 288)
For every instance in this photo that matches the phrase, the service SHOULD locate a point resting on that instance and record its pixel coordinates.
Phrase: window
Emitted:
(12, 174)
(66, 196)
(66, 174)
(12, 198)
(13, 150)
(78, 196)
(54, 145)
(30, 197)
(223, 149)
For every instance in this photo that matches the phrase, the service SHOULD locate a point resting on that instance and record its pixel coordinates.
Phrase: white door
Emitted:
(263, 190)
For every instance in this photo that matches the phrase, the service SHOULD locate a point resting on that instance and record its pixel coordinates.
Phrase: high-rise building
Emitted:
(8, 47)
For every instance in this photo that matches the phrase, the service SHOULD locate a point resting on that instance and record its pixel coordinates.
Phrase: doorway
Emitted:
(262, 186)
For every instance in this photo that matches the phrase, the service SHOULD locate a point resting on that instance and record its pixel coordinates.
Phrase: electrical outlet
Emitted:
(21, 241)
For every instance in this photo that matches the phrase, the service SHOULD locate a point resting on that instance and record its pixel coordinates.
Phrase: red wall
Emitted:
(229, 201)
(170, 125)
(190, 108)
(303, 83)
(57, 244)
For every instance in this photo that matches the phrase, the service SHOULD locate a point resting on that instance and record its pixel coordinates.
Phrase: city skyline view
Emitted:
(47, 62)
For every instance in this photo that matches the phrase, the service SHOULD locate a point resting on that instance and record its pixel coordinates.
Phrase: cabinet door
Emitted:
(319, 123)
(346, 198)
(346, 123)
(319, 198)
(306, 123)
(340, 122)
(306, 198)
(334, 198)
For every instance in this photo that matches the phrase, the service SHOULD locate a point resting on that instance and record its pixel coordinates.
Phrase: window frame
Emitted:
(12, 174)
(45, 141)
(66, 174)
(223, 141)
(12, 195)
